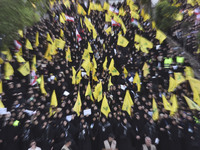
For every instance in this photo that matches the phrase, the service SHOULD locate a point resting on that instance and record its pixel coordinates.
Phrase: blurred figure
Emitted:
(110, 143)
(33, 146)
(148, 145)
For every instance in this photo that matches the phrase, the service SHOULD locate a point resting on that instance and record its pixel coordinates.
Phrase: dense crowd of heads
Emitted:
(29, 118)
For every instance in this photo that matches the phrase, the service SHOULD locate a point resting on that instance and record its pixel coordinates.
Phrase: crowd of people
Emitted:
(32, 122)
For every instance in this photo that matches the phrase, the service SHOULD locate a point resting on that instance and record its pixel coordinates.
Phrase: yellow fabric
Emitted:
(166, 104)
(192, 105)
(54, 101)
(61, 33)
(78, 77)
(33, 66)
(105, 64)
(68, 55)
(105, 109)
(172, 84)
(145, 69)
(160, 36)
(122, 41)
(107, 18)
(155, 110)
(43, 91)
(49, 38)
(109, 83)
(60, 43)
(8, 70)
(73, 76)
(98, 92)
(28, 45)
(1, 104)
(78, 104)
(80, 10)
(128, 103)
(174, 107)
(8, 54)
(137, 81)
(20, 32)
(112, 70)
(194, 84)
(19, 58)
(188, 72)
(179, 78)
(24, 69)
(86, 66)
(122, 12)
(196, 97)
(37, 39)
(1, 87)
(108, 30)
(125, 72)
(89, 91)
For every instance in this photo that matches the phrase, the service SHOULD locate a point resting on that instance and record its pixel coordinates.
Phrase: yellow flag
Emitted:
(192, 105)
(73, 76)
(66, 3)
(49, 38)
(94, 33)
(137, 81)
(189, 72)
(78, 77)
(1, 87)
(80, 10)
(179, 78)
(47, 54)
(108, 30)
(107, 18)
(98, 92)
(90, 8)
(37, 39)
(179, 17)
(43, 91)
(86, 55)
(89, 48)
(28, 45)
(33, 66)
(145, 69)
(68, 55)
(98, 7)
(94, 77)
(24, 69)
(78, 104)
(153, 25)
(172, 84)
(89, 92)
(125, 72)
(8, 54)
(54, 101)
(8, 70)
(1, 104)
(60, 43)
(62, 19)
(19, 58)
(122, 41)
(191, 2)
(105, 109)
(106, 6)
(160, 36)
(121, 11)
(94, 62)
(166, 104)
(105, 64)
(196, 97)
(112, 70)
(135, 15)
(86, 66)
(61, 33)
(174, 107)
(128, 103)
(20, 32)
(146, 17)
(109, 83)
(155, 110)
(194, 84)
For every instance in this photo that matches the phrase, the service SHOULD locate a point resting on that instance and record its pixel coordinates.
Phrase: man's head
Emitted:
(110, 137)
(148, 141)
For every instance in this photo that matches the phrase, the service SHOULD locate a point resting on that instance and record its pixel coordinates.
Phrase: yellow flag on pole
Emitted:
(78, 104)
(68, 55)
(112, 70)
(188, 72)
(43, 91)
(108, 30)
(107, 18)
(128, 103)
(89, 91)
(61, 19)
(28, 45)
(49, 38)
(86, 66)
(192, 105)
(125, 72)
(37, 39)
(196, 97)
(155, 110)
(1, 104)
(105, 109)
(1, 87)
(122, 41)
(98, 92)
(145, 69)
(166, 104)
(8, 70)
(172, 84)
(54, 101)
(174, 107)
(179, 78)
(160, 36)
(194, 84)
(24, 69)
(105, 64)
(73, 76)
(20, 32)
(80, 10)
(137, 81)
(109, 83)
(33, 66)
(19, 58)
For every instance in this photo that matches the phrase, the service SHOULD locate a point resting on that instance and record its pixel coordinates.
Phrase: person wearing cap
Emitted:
(110, 143)
(148, 145)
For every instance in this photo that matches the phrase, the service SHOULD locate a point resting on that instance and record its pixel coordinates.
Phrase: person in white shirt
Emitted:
(33, 146)
(110, 143)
